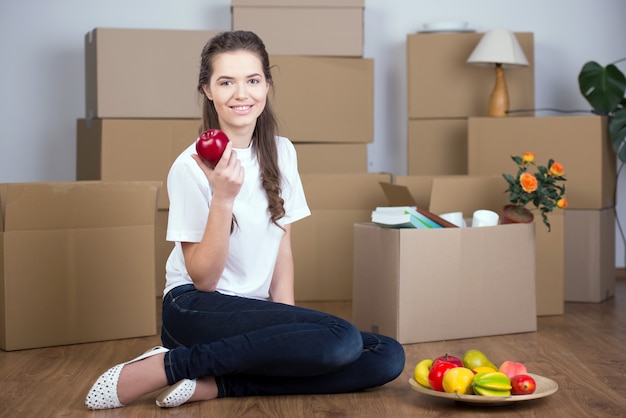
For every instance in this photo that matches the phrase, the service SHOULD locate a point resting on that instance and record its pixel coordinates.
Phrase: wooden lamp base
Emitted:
(499, 100)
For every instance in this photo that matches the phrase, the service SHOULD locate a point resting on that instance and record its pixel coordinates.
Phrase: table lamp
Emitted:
(499, 47)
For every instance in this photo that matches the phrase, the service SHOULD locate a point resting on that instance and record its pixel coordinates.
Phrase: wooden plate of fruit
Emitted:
(545, 387)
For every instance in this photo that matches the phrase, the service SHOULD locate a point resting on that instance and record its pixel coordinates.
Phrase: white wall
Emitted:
(42, 71)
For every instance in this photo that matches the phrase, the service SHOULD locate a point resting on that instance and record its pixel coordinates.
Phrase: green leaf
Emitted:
(622, 154)
(603, 87)
(617, 130)
(509, 178)
(518, 160)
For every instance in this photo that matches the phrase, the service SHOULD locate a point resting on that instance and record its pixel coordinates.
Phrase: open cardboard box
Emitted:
(420, 285)
(76, 262)
(450, 193)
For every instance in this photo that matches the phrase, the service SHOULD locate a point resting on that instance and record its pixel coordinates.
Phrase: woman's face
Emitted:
(238, 90)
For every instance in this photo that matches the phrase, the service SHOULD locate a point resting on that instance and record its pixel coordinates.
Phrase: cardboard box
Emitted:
(322, 243)
(441, 84)
(331, 158)
(163, 250)
(132, 149)
(441, 194)
(143, 73)
(398, 272)
(580, 143)
(76, 262)
(306, 27)
(589, 255)
(437, 147)
(473, 272)
(551, 265)
(335, 104)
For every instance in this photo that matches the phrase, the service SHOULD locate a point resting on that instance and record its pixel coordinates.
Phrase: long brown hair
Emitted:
(266, 129)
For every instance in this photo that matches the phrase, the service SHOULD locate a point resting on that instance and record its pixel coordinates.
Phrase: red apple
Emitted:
(211, 145)
(452, 359)
(511, 368)
(522, 384)
(437, 371)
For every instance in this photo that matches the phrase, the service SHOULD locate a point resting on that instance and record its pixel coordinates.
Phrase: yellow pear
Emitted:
(473, 359)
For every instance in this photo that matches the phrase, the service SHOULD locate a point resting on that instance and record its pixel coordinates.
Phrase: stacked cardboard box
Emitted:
(582, 268)
(142, 109)
(323, 242)
(324, 100)
(329, 117)
(446, 96)
(142, 73)
(306, 27)
(444, 90)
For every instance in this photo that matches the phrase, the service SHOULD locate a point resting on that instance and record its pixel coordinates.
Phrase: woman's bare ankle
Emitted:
(206, 389)
(140, 378)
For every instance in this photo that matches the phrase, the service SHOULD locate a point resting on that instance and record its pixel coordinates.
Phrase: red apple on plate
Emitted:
(437, 371)
(211, 145)
(452, 359)
(522, 384)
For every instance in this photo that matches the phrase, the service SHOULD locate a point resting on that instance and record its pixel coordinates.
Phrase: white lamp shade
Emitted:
(498, 46)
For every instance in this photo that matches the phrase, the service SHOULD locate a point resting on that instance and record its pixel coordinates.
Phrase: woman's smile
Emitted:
(241, 109)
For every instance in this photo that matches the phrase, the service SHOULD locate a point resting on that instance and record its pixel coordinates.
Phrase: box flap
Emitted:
(301, 3)
(345, 191)
(82, 204)
(419, 186)
(398, 195)
(467, 194)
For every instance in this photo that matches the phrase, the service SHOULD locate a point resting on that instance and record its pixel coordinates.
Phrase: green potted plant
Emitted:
(604, 88)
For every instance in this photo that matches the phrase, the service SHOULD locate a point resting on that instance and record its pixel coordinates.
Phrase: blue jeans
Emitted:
(255, 347)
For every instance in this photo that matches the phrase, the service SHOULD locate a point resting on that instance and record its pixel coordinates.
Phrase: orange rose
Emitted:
(556, 169)
(528, 182)
(562, 203)
(528, 157)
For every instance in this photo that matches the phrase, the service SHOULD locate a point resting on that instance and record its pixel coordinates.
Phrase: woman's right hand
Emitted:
(227, 176)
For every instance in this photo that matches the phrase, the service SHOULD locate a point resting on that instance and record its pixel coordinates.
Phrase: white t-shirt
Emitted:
(254, 243)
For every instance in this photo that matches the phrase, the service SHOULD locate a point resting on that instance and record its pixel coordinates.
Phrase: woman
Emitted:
(229, 323)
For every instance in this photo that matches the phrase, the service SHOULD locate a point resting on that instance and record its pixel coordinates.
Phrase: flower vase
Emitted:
(514, 214)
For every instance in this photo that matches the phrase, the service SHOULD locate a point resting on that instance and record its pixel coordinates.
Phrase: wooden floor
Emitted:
(584, 351)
